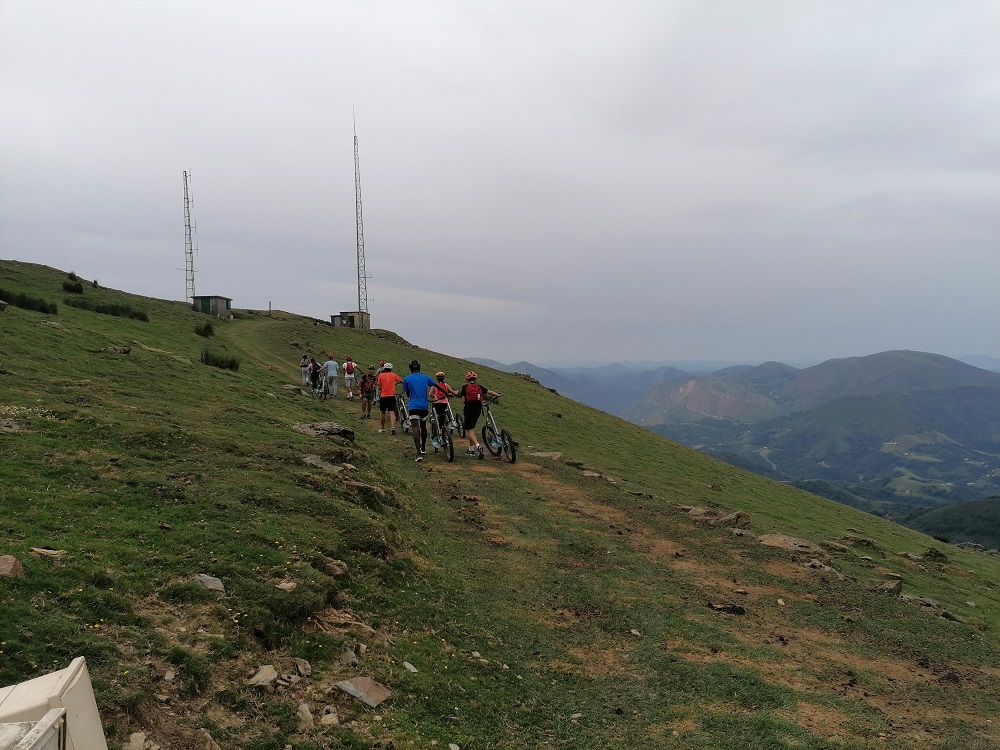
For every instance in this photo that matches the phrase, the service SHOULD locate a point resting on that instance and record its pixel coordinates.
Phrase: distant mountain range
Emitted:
(613, 388)
(885, 432)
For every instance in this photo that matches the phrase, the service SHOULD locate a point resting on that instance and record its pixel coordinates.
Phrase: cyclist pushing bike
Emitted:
(473, 394)
(440, 391)
(387, 396)
(415, 387)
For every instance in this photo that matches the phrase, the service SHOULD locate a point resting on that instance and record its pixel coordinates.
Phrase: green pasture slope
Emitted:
(542, 607)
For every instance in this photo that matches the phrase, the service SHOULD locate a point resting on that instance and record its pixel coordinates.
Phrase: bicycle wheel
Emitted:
(435, 432)
(459, 424)
(448, 444)
(491, 440)
(508, 446)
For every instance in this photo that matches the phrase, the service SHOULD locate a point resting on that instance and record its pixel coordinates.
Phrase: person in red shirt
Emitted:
(387, 396)
(473, 394)
(439, 398)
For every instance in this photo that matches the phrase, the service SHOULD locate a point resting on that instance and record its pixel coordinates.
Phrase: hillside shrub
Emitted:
(73, 287)
(119, 310)
(72, 276)
(274, 616)
(186, 592)
(221, 361)
(195, 670)
(205, 330)
(26, 301)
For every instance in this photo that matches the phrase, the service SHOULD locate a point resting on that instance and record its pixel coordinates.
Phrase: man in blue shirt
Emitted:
(331, 375)
(415, 387)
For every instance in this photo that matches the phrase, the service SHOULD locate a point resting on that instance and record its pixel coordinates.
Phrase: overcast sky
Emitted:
(563, 182)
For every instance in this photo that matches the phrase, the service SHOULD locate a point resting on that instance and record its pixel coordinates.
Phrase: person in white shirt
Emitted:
(349, 371)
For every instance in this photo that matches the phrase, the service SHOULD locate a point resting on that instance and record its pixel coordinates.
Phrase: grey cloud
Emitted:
(639, 180)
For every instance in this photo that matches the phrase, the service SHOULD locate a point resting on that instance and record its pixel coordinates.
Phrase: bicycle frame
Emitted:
(497, 440)
(442, 434)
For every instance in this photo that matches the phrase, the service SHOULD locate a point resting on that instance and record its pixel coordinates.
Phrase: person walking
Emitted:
(331, 368)
(304, 369)
(440, 391)
(368, 383)
(314, 370)
(415, 387)
(349, 373)
(387, 397)
(473, 394)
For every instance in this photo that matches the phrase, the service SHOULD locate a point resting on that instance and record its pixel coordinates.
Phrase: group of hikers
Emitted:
(378, 385)
(319, 376)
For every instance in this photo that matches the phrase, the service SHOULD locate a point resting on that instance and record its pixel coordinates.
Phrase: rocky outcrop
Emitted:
(10, 567)
(325, 429)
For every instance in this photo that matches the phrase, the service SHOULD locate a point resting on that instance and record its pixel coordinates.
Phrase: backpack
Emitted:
(349, 368)
(474, 392)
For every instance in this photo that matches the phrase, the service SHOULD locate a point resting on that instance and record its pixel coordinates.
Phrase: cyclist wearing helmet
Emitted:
(387, 396)
(349, 371)
(415, 386)
(368, 383)
(473, 394)
(439, 397)
(378, 371)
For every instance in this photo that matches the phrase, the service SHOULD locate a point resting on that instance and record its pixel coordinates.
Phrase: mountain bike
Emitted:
(456, 420)
(323, 388)
(402, 413)
(496, 439)
(441, 436)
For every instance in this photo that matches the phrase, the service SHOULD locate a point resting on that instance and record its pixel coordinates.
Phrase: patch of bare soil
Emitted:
(790, 543)
(551, 488)
(481, 468)
(822, 721)
(658, 548)
(337, 621)
(795, 571)
(599, 661)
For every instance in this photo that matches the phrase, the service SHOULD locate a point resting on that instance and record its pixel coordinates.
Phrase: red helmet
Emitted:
(470, 375)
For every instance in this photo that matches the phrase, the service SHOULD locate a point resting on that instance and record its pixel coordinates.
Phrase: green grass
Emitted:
(514, 589)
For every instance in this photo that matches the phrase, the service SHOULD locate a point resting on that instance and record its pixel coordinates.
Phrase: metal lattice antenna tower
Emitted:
(362, 274)
(189, 246)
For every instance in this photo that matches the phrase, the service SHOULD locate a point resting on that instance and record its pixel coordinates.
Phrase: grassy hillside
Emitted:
(542, 605)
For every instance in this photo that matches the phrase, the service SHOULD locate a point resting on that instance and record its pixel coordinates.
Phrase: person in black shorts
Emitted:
(368, 382)
(439, 394)
(473, 394)
(387, 397)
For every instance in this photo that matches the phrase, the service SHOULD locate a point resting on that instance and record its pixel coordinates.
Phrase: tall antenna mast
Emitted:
(189, 246)
(362, 274)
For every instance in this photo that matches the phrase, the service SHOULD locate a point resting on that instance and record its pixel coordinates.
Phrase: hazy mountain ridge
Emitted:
(612, 388)
(883, 431)
(895, 429)
(772, 389)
